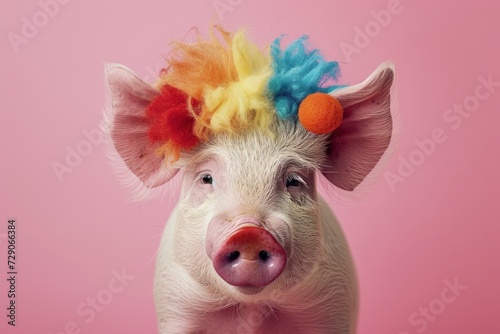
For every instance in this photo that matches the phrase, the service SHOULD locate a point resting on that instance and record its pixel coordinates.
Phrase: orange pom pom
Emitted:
(320, 113)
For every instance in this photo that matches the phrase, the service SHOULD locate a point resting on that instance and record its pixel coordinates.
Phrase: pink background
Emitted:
(441, 223)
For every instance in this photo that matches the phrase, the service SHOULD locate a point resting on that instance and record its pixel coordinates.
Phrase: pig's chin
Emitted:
(249, 290)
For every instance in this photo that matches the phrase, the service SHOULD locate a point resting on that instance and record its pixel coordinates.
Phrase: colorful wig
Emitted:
(227, 84)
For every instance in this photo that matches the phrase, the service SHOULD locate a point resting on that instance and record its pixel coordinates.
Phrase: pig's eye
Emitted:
(294, 180)
(206, 179)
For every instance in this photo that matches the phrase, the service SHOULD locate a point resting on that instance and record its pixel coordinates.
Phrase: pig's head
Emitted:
(247, 218)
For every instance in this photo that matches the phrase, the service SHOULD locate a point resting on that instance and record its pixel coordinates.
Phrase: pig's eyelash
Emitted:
(296, 177)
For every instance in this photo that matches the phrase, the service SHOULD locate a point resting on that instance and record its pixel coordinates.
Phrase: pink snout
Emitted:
(250, 257)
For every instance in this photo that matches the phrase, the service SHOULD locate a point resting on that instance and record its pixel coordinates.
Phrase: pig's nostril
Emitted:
(233, 255)
(264, 255)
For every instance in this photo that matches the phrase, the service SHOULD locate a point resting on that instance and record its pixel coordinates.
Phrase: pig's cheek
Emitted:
(190, 239)
(200, 193)
(299, 196)
(305, 239)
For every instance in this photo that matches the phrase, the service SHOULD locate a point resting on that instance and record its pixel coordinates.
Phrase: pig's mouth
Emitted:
(250, 289)
(250, 259)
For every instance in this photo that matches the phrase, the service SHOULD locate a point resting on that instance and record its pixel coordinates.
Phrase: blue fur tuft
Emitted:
(298, 72)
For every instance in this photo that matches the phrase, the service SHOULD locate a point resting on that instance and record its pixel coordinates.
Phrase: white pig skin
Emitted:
(317, 291)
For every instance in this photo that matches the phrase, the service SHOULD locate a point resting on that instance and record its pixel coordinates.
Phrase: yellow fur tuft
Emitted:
(229, 75)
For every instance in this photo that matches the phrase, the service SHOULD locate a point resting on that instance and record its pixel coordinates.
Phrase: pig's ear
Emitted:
(365, 132)
(126, 125)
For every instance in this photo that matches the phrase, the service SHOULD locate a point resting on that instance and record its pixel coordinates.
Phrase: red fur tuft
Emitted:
(170, 119)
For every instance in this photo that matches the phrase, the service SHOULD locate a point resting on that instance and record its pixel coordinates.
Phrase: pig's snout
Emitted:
(251, 256)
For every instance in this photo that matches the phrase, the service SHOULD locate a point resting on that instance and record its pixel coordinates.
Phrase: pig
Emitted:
(252, 246)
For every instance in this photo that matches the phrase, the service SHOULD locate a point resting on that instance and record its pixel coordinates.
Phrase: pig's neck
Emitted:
(251, 319)
(254, 313)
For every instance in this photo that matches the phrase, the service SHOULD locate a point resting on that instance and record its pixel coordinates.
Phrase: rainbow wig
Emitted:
(227, 84)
